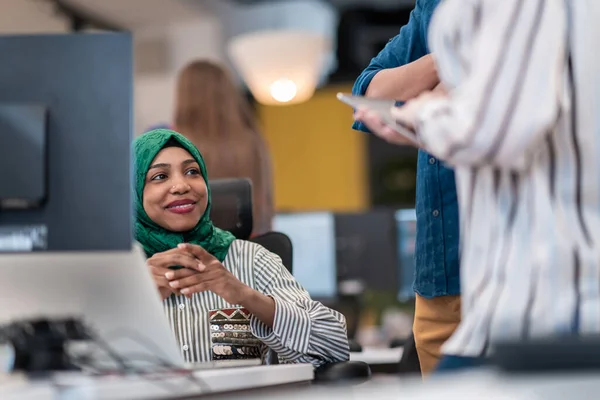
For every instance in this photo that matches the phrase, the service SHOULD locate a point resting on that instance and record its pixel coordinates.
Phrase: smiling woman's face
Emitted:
(175, 194)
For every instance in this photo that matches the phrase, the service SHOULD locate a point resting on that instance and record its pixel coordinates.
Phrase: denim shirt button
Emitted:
(432, 160)
(435, 213)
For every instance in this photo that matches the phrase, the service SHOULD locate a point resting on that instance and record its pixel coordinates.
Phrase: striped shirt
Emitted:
(521, 126)
(304, 331)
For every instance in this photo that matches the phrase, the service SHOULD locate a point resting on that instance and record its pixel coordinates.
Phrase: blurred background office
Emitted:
(346, 199)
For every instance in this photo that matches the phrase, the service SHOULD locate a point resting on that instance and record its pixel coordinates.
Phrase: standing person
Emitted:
(212, 113)
(401, 71)
(522, 105)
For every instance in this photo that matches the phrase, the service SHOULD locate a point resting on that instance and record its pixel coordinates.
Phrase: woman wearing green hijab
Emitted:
(198, 267)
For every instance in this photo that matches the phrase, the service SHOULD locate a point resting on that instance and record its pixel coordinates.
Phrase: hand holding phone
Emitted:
(384, 109)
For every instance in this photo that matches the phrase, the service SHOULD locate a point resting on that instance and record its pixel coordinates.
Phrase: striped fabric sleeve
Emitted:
(508, 99)
(304, 331)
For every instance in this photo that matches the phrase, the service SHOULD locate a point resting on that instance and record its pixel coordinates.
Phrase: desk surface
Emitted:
(204, 382)
(471, 385)
(372, 355)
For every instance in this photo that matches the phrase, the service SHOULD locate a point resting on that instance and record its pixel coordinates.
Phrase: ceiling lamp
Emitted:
(280, 67)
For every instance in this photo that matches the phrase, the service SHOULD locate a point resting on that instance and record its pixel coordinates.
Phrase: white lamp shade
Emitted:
(280, 67)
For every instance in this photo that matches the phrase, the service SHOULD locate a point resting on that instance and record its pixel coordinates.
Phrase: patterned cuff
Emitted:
(291, 328)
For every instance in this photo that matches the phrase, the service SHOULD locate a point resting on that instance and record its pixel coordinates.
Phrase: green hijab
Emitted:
(153, 237)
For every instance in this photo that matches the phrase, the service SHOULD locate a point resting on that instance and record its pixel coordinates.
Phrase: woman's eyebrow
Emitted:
(160, 165)
(190, 161)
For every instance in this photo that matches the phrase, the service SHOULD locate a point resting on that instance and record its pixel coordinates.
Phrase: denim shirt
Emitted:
(436, 250)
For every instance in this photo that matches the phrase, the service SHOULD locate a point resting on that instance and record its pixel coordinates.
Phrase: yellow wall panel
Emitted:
(319, 162)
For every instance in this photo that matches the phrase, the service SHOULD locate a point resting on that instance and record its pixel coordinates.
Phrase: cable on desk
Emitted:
(125, 361)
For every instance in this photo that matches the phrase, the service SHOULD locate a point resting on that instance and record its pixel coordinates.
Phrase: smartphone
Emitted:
(361, 101)
(383, 108)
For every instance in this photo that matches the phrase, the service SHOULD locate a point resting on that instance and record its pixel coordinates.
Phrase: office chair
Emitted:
(409, 362)
(278, 243)
(232, 211)
(231, 208)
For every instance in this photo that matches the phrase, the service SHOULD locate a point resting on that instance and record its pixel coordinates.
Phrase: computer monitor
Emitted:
(314, 258)
(366, 249)
(406, 222)
(65, 137)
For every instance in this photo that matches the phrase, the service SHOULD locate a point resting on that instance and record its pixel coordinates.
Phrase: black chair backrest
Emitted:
(232, 206)
(280, 244)
(232, 211)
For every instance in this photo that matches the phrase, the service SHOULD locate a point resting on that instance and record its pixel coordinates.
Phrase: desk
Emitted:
(373, 356)
(18, 389)
(215, 382)
(381, 360)
(465, 386)
(482, 384)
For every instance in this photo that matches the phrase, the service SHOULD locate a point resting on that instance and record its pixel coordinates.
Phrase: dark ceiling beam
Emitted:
(80, 19)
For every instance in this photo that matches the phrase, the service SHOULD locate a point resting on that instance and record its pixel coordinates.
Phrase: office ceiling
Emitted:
(131, 14)
(343, 4)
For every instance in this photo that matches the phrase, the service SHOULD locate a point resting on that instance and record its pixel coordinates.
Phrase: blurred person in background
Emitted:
(401, 71)
(213, 114)
(520, 125)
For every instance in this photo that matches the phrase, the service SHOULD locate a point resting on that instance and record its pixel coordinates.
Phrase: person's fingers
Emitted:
(405, 116)
(208, 276)
(162, 260)
(161, 281)
(197, 251)
(401, 113)
(170, 251)
(440, 89)
(375, 119)
(186, 282)
(197, 288)
(390, 135)
(373, 122)
(368, 117)
(164, 292)
(361, 110)
(179, 273)
(359, 114)
(179, 259)
(156, 270)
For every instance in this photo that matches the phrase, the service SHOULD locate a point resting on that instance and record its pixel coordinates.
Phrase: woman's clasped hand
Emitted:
(197, 271)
